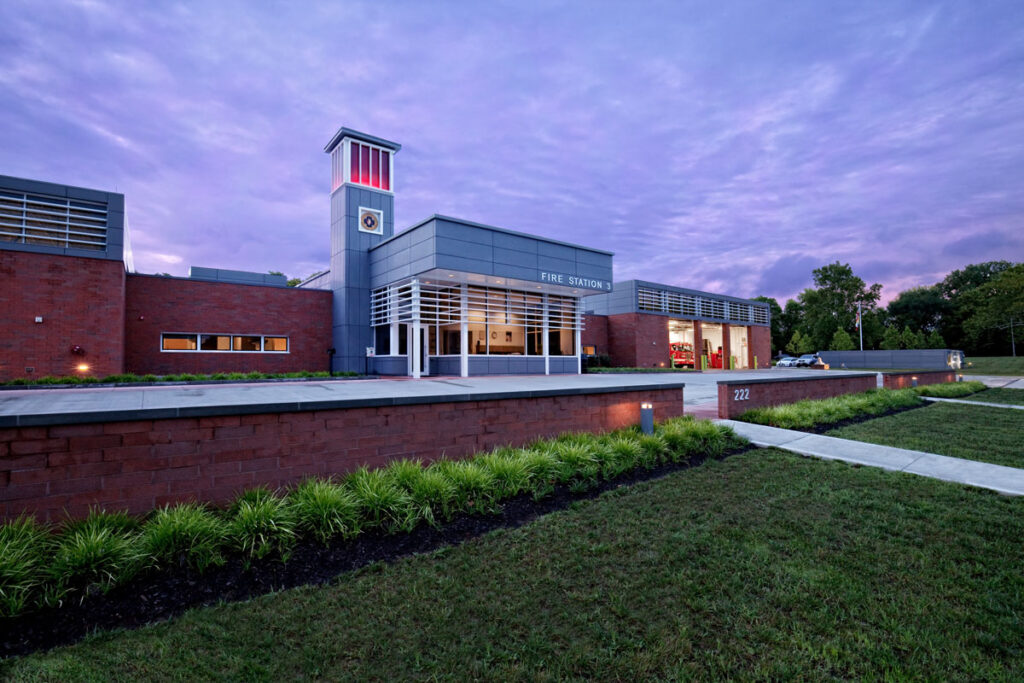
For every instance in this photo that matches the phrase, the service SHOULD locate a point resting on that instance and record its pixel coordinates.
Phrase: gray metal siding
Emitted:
(902, 359)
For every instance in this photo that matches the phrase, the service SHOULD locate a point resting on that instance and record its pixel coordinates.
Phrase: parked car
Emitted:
(807, 360)
(786, 362)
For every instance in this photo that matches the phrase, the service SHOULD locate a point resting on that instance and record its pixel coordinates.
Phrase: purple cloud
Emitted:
(734, 148)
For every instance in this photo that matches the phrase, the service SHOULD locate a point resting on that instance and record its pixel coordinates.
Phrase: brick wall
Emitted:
(159, 304)
(638, 340)
(904, 380)
(735, 398)
(760, 346)
(81, 302)
(595, 332)
(138, 465)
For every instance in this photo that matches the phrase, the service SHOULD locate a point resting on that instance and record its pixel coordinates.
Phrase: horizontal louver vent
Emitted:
(690, 305)
(52, 221)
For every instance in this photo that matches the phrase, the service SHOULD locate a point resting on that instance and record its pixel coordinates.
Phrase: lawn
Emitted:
(1013, 397)
(993, 435)
(765, 565)
(994, 365)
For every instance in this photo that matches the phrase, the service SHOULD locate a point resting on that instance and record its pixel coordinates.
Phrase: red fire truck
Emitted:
(682, 354)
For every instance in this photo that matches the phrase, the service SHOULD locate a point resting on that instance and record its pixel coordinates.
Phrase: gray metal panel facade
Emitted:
(115, 225)
(452, 244)
(624, 298)
(350, 271)
(241, 277)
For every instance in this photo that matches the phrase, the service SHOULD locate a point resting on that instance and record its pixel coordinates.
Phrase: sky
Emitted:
(730, 147)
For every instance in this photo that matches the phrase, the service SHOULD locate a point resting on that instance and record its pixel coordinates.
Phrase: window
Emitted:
(179, 342)
(369, 165)
(223, 343)
(245, 343)
(213, 342)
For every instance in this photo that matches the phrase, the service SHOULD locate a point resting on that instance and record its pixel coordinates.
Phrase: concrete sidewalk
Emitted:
(1007, 480)
(972, 403)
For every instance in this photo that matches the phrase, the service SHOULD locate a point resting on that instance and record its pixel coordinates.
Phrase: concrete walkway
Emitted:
(972, 403)
(1007, 480)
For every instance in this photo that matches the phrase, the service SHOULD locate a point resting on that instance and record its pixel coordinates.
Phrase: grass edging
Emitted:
(57, 585)
(814, 414)
(129, 379)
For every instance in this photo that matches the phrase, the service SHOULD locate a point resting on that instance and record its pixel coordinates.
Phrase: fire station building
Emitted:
(443, 297)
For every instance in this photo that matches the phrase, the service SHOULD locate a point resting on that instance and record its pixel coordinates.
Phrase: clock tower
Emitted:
(362, 216)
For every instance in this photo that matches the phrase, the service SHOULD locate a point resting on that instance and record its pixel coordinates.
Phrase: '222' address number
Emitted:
(740, 394)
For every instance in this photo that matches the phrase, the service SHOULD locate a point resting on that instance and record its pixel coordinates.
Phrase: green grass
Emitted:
(962, 431)
(764, 566)
(1013, 397)
(952, 390)
(994, 365)
(183, 377)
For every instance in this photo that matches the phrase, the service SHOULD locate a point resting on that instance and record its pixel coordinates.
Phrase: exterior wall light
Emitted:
(647, 418)
(82, 367)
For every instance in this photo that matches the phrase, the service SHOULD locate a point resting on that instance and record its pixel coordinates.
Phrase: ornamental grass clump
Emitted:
(260, 523)
(510, 473)
(93, 555)
(324, 510)
(473, 484)
(432, 494)
(381, 501)
(187, 534)
(24, 554)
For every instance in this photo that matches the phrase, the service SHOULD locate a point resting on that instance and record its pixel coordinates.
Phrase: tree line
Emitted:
(978, 309)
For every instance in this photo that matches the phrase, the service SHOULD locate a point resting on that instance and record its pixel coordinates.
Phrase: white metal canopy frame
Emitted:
(423, 304)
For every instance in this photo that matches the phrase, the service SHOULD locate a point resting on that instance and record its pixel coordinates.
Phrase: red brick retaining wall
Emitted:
(135, 466)
(904, 380)
(735, 398)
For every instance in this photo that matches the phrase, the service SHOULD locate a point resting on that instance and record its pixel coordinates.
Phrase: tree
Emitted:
(891, 340)
(955, 287)
(935, 340)
(778, 338)
(922, 308)
(998, 305)
(832, 305)
(795, 343)
(294, 282)
(841, 341)
(910, 339)
(807, 345)
(791, 317)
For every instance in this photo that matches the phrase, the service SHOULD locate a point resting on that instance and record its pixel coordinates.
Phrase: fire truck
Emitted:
(682, 354)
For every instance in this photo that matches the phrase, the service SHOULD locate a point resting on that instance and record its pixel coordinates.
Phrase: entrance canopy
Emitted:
(443, 249)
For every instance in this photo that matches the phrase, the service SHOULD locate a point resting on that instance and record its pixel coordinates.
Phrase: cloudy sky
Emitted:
(724, 146)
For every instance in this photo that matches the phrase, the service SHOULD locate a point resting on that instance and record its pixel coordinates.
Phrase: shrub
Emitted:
(261, 523)
(381, 501)
(431, 492)
(94, 554)
(808, 413)
(186, 534)
(578, 461)
(24, 547)
(509, 472)
(473, 484)
(324, 509)
(955, 390)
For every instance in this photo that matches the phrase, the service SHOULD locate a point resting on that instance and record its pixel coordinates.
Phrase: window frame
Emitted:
(198, 336)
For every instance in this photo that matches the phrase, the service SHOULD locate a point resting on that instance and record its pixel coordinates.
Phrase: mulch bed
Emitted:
(159, 595)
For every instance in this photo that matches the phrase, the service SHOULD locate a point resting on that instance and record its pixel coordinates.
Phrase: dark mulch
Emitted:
(160, 595)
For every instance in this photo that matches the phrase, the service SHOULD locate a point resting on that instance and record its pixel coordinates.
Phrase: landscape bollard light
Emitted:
(913, 381)
(647, 418)
(959, 378)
